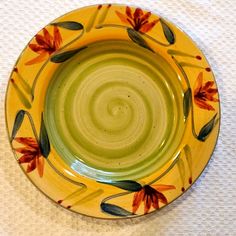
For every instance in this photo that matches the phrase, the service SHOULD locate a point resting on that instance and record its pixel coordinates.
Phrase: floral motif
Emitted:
(151, 196)
(138, 20)
(31, 155)
(204, 93)
(46, 45)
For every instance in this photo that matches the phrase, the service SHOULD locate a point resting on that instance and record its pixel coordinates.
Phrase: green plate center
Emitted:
(114, 111)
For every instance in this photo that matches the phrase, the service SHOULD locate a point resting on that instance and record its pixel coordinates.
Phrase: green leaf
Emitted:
(17, 123)
(137, 38)
(170, 37)
(129, 185)
(71, 25)
(43, 139)
(64, 56)
(115, 210)
(187, 102)
(206, 129)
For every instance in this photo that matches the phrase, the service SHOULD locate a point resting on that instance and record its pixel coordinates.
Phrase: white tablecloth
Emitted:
(209, 208)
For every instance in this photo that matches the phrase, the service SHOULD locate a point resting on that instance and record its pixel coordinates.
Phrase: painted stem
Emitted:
(166, 171)
(115, 196)
(188, 85)
(63, 176)
(100, 26)
(32, 126)
(45, 63)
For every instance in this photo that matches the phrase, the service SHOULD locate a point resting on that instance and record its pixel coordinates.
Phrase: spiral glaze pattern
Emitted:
(113, 111)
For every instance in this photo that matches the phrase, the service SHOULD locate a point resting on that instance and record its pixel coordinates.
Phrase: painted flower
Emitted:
(31, 155)
(138, 20)
(150, 196)
(46, 44)
(204, 93)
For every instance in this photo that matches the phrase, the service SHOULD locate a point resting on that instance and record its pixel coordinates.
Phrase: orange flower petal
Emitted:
(38, 59)
(207, 85)
(122, 17)
(162, 187)
(36, 48)
(162, 198)
(48, 38)
(131, 23)
(147, 203)
(31, 166)
(145, 16)
(129, 12)
(198, 83)
(137, 199)
(25, 159)
(57, 37)
(203, 105)
(147, 27)
(155, 202)
(40, 165)
(212, 91)
(138, 13)
(26, 150)
(212, 99)
(41, 40)
(28, 141)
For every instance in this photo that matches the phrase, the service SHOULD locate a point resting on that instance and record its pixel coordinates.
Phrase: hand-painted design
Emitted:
(43, 139)
(87, 198)
(185, 64)
(174, 53)
(188, 156)
(169, 34)
(93, 19)
(64, 56)
(182, 168)
(207, 128)
(35, 149)
(204, 93)
(129, 185)
(115, 210)
(187, 103)
(24, 100)
(138, 20)
(150, 196)
(71, 25)
(103, 15)
(77, 194)
(31, 154)
(183, 54)
(43, 145)
(74, 194)
(46, 44)
(23, 86)
(137, 38)
(17, 123)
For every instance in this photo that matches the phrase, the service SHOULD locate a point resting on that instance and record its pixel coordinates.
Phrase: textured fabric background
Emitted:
(209, 208)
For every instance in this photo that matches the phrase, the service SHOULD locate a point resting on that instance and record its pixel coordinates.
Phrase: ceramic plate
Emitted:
(112, 111)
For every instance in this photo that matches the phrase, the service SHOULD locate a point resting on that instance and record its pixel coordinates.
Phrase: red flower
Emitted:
(138, 20)
(204, 93)
(31, 155)
(46, 45)
(150, 196)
